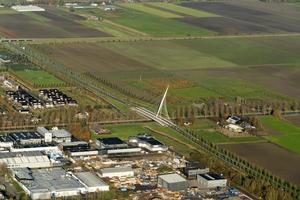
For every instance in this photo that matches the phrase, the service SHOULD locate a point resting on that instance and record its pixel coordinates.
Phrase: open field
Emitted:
(148, 23)
(247, 16)
(253, 68)
(38, 77)
(144, 8)
(52, 23)
(286, 134)
(182, 10)
(281, 162)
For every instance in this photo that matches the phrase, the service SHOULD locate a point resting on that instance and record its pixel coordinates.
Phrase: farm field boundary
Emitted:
(135, 39)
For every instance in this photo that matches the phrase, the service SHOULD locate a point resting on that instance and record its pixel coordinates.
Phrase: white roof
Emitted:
(172, 178)
(90, 179)
(60, 133)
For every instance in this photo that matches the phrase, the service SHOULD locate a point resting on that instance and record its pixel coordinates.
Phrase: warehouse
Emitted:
(148, 142)
(117, 172)
(49, 183)
(211, 180)
(92, 182)
(31, 159)
(26, 137)
(6, 142)
(173, 182)
(111, 143)
(60, 135)
(35, 147)
(192, 169)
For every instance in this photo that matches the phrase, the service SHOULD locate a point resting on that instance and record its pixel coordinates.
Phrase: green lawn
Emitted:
(290, 138)
(144, 8)
(38, 77)
(182, 9)
(7, 11)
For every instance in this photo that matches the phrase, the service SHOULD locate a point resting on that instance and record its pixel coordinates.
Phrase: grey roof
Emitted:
(172, 178)
(90, 179)
(116, 169)
(20, 154)
(210, 176)
(60, 133)
(51, 179)
(42, 130)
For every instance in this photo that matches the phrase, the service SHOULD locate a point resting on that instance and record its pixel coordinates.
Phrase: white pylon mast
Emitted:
(163, 102)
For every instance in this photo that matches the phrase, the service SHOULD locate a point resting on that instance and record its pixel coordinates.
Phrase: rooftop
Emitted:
(116, 169)
(172, 178)
(60, 133)
(111, 141)
(210, 176)
(90, 179)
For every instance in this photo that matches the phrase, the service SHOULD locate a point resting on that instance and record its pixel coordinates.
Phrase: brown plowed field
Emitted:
(269, 20)
(281, 162)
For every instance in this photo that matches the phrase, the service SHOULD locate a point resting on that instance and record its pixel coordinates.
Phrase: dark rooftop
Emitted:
(111, 141)
(211, 176)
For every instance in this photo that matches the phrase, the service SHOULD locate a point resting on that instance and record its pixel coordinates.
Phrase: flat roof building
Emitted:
(192, 169)
(92, 182)
(148, 142)
(117, 172)
(173, 182)
(111, 143)
(49, 183)
(211, 180)
(31, 159)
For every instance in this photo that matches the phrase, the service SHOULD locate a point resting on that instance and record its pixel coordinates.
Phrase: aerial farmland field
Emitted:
(52, 23)
(227, 67)
(283, 133)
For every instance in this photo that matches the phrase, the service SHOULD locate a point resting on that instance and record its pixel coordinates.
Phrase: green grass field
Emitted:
(148, 23)
(144, 8)
(193, 92)
(290, 134)
(7, 11)
(38, 77)
(182, 10)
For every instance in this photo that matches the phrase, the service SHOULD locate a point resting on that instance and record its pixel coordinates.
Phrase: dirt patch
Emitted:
(294, 119)
(271, 131)
(281, 162)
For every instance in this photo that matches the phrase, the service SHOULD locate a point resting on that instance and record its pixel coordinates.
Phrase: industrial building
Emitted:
(192, 169)
(78, 148)
(49, 183)
(31, 159)
(111, 143)
(92, 182)
(26, 137)
(211, 180)
(117, 172)
(173, 182)
(55, 135)
(148, 142)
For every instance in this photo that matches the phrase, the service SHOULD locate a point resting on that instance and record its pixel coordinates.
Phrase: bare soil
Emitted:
(281, 162)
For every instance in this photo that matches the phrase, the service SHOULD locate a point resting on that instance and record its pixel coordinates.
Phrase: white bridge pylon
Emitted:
(163, 105)
(162, 120)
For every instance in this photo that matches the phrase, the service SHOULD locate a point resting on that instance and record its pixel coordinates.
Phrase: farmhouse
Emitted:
(27, 8)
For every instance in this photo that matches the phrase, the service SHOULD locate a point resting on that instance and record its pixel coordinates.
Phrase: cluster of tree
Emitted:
(80, 131)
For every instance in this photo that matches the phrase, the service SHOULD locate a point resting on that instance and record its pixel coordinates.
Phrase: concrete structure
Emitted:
(192, 169)
(6, 142)
(27, 8)
(83, 153)
(38, 147)
(60, 135)
(46, 133)
(50, 183)
(173, 182)
(148, 142)
(92, 182)
(31, 159)
(120, 151)
(211, 180)
(117, 172)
